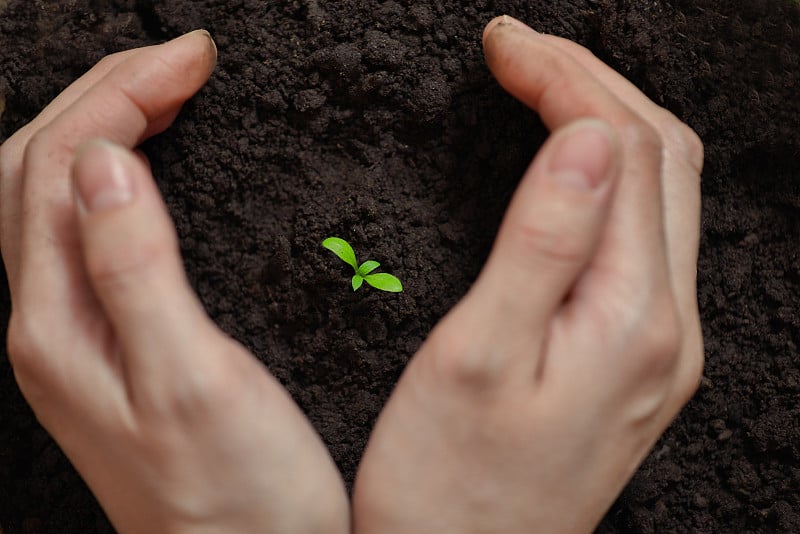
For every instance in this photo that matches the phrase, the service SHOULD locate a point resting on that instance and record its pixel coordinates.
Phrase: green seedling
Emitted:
(382, 281)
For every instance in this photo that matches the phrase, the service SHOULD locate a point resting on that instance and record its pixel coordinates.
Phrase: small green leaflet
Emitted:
(357, 281)
(342, 248)
(384, 282)
(367, 267)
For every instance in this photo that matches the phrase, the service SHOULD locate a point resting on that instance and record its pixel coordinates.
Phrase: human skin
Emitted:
(527, 409)
(533, 401)
(174, 426)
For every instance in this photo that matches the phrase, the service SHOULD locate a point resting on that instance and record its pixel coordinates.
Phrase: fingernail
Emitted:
(584, 154)
(102, 176)
(211, 39)
(205, 34)
(511, 21)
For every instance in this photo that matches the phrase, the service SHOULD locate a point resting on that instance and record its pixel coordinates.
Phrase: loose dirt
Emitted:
(378, 122)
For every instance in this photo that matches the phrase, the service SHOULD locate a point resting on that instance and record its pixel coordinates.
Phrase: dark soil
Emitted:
(378, 122)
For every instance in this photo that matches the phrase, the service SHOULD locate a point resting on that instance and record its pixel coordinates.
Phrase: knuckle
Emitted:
(550, 79)
(683, 142)
(167, 67)
(110, 59)
(12, 149)
(9, 165)
(454, 357)
(660, 339)
(574, 48)
(689, 382)
(204, 392)
(36, 144)
(26, 345)
(691, 372)
(46, 144)
(196, 394)
(654, 357)
(116, 267)
(645, 326)
(642, 138)
(6, 151)
(539, 240)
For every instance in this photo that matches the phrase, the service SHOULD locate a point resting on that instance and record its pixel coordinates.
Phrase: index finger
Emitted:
(562, 91)
(137, 98)
(12, 150)
(683, 161)
(547, 79)
(134, 99)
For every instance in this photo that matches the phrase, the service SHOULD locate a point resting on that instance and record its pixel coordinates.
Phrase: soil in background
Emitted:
(378, 122)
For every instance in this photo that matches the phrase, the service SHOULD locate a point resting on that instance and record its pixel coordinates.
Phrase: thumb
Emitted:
(553, 225)
(131, 254)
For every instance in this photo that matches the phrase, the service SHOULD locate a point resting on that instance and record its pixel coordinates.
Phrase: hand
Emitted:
(534, 400)
(174, 426)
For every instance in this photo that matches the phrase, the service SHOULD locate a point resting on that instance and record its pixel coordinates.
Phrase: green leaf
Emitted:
(357, 281)
(367, 267)
(384, 282)
(342, 248)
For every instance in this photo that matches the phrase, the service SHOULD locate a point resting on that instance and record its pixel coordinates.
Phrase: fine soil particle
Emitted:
(378, 122)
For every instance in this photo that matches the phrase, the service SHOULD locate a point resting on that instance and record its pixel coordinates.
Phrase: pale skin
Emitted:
(527, 409)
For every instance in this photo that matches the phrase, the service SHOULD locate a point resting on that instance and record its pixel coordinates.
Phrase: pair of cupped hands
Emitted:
(526, 410)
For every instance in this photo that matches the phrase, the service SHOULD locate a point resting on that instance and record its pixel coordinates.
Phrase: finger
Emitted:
(69, 96)
(681, 169)
(11, 154)
(137, 98)
(131, 254)
(612, 80)
(682, 163)
(552, 226)
(134, 99)
(561, 90)
(545, 78)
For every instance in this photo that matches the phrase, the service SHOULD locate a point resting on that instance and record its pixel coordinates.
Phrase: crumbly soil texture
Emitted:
(377, 121)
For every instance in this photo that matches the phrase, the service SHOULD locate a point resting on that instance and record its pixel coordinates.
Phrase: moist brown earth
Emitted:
(378, 122)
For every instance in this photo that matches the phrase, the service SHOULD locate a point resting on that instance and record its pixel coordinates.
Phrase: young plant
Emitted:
(382, 281)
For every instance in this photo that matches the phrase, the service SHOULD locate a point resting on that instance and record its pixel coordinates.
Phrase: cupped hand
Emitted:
(534, 400)
(174, 426)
